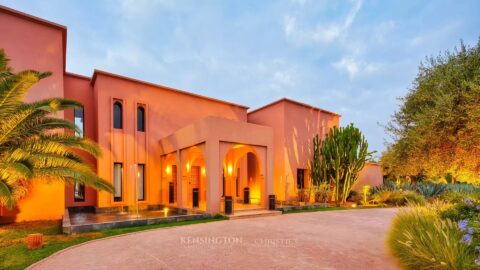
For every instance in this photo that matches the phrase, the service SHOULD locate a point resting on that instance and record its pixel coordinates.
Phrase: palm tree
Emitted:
(31, 148)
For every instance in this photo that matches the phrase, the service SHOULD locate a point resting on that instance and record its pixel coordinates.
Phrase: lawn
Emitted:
(15, 255)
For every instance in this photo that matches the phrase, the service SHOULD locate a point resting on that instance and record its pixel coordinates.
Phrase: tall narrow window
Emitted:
(79, 192)
(140, 118)
(117, 182)
(141, 182)
(117, 115)
(78, 119)
(300, 178)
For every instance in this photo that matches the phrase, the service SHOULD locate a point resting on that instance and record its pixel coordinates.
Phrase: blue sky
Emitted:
(352, 57)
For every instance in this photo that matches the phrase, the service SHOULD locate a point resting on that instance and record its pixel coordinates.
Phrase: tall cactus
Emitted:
(344, 152)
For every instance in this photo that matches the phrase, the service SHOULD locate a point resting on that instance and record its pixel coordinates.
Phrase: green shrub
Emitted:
(466, 209)
(419, 239)
(398, 197)
(430, 190)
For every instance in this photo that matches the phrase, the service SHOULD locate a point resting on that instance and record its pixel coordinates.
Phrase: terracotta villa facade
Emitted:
(163, 146)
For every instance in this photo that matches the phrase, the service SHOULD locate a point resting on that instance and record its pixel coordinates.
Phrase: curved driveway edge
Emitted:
(353, 239)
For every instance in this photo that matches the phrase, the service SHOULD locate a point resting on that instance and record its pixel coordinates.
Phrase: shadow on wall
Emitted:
(300, 129)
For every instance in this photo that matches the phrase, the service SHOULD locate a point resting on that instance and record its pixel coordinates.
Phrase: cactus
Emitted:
(343, 152)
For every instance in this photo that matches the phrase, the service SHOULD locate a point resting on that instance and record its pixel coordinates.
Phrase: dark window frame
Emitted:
(117, 115)
(143, 187)
(82, 187)
(141, 123)
(80, 110)
(118, 199)
(300, 180)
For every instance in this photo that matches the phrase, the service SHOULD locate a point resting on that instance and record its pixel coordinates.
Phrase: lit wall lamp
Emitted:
(203, 170)
(168, 169)
(188, 167)
(230, 169)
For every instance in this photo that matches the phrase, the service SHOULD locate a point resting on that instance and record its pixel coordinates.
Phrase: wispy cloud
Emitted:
(320, 33)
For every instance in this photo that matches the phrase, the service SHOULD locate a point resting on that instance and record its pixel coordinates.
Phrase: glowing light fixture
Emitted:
(203, 170)
(165, 211)
(230, 169)
(168, 170)
(188, 166)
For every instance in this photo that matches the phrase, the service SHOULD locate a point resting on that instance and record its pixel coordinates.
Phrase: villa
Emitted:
(163, 146)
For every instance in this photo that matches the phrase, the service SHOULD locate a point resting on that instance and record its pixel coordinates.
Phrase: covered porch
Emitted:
(214, 158)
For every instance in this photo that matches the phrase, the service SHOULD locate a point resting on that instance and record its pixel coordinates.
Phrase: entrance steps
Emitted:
(252, 213)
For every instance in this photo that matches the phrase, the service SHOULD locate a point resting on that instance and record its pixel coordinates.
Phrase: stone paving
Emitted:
(353, 239)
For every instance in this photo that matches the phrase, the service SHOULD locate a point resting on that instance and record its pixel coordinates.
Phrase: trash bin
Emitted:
(228, 205)
(195, 197)
(271, 202)
(246, 195)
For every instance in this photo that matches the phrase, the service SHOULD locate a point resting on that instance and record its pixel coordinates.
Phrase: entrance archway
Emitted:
(194, 184)
(243, 177)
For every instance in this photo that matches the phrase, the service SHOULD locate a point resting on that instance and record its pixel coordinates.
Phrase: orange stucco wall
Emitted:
(371, 175)
(32, 44)
(279, 134)
(166, 112)
(79, 88)
(294, 126)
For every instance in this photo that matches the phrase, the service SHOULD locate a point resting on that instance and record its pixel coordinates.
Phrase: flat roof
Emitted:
(121, 77)
(294, 102)
(43, 22)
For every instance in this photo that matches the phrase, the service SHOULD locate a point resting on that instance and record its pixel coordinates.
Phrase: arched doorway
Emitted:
(243, 177)
(194, 185)
(170, 186)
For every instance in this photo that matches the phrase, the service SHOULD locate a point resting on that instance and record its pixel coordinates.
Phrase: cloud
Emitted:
(320, 33)
(355, 68)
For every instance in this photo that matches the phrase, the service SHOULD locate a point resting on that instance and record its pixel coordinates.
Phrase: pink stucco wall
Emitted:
(33, 43)
(79, 88)
(167, 110)
(371, 175)
(295, 124)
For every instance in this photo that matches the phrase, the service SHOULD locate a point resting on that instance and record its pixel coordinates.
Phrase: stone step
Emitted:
(253, 214)
(238, 209)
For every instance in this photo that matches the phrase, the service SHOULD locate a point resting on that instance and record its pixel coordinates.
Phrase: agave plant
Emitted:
(31, 148)
(344, 152)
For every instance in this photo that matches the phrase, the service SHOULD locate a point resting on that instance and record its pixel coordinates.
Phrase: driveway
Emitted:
(353, 239)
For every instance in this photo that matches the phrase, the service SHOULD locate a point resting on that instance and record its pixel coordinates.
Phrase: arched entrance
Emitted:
(243, 177)
(170, 186)
(194, 185)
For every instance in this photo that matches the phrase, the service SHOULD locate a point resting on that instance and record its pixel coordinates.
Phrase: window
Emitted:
(141, 182)
(117, 115)
(78, 192)
(117, 182)
(300, 178)
(140, 119)
(78, 119)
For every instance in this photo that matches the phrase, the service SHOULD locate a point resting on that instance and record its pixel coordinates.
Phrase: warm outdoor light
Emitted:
(354, 205)
(229, 169)
(168, 170)
(203, 170)
(165, 211)
(188, 167)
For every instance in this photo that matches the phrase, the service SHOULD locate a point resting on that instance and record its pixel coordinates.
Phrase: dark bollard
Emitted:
(228, 205)
(271, 202)
(246, 195)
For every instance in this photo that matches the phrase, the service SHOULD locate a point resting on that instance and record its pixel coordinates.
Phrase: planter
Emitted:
(34, 240)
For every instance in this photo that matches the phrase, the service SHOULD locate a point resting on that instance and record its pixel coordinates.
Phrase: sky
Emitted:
(355, 58)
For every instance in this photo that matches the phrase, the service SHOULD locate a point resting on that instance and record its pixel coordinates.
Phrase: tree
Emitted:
(436, 131)
(343, 152)
(31, 148)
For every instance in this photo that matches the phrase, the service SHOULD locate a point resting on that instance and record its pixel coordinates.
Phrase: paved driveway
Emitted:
(319, 240)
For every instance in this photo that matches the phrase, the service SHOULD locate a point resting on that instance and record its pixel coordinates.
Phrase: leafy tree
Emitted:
(30, 146)
(344, 152)
(436, 131)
